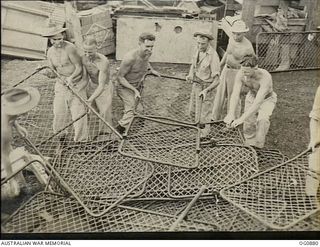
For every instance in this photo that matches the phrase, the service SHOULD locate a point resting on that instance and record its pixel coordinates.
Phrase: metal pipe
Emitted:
(186, 211)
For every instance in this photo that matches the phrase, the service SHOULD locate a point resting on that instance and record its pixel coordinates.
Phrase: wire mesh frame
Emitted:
(36, 166)
(285, 51)
(69, 88)
(223, 215)
(39, 120)
(312, 223)
(181, 107)
(276, 197)
(268, 158)
(221, 134)
(219, 166)
(163, 142)
(95, 207)
(51, 213)
(101, 166)
(172, 207)
(156, 187)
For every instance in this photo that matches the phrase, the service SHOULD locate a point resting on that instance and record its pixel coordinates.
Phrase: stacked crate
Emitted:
(96, 23)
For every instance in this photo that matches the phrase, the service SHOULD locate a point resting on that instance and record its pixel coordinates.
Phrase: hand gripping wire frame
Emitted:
(39, 120)
(97, 199)
(180, 105)
(221, 134)
(220, 166)
(48, 212)
(276, 197)
(86, 104)
(163, 142)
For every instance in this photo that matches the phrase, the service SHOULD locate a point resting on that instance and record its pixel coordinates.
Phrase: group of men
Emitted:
(239, 74)
(89, 76)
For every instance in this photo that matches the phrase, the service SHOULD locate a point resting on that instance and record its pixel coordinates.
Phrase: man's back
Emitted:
(263, 80)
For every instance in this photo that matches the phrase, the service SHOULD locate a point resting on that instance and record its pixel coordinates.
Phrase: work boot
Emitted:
(120, 129)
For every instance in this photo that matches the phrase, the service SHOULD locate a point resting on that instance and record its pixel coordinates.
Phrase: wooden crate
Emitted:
(21, 29)
(96, 23)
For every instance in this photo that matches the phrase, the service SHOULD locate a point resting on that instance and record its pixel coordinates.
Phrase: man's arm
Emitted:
(76, 61)
(315, 121)
(261, 94)
(224, 58)
(214, 77)
(49, 73)
(125, 68)
(234, 100)
(153, 71)
(190, 76)
(103, 79)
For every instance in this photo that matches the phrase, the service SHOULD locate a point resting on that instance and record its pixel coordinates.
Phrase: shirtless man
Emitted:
(259, 103)
(63, 57)
(238, 47)
(100, 87)
(14, 102)
(133, 67)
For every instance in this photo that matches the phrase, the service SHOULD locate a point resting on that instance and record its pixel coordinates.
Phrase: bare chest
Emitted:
(92, 68)
(238, 51)
(139, 66)
(60, 58)
(249, 84)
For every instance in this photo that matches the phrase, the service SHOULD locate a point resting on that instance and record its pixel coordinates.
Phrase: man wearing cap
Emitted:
(259, 103)
(312, 180)
(14, 102)
(63, 58)
(238, 47)
(204, 73)
(100, 87)
(133, 68)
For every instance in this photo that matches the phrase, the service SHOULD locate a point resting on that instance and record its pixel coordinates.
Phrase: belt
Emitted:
(231, 67)
(196, 79)
(266, 97)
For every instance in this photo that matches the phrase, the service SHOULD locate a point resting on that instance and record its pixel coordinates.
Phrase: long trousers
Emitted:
(224, 92)
(63, 101)
(312, 180)
(129, 104)
(256, 127)
(203, 112)
(104, 105)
